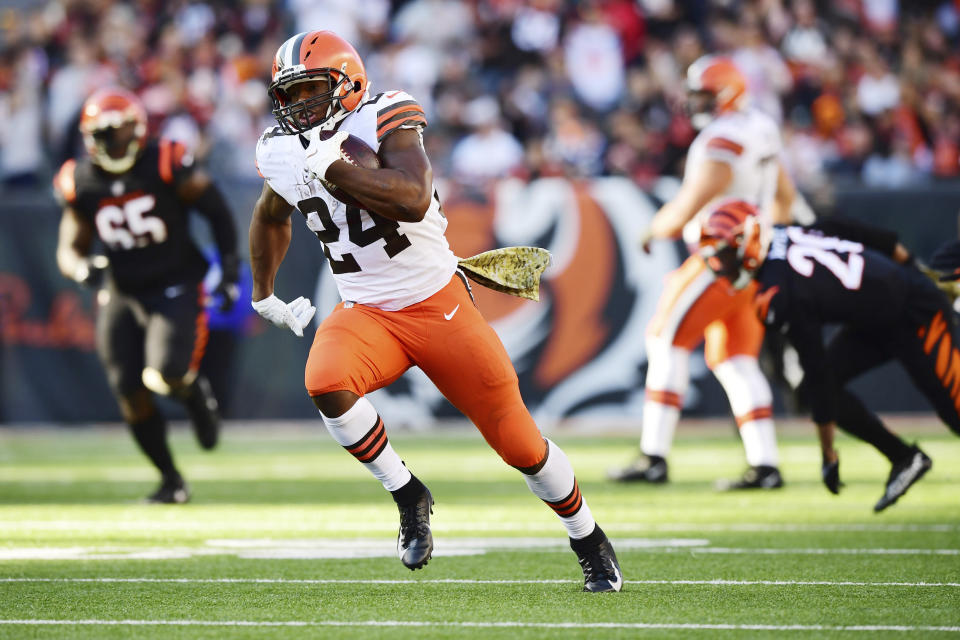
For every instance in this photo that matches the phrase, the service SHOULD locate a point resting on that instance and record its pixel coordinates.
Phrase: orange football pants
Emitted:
(361, 349)
(697, 306)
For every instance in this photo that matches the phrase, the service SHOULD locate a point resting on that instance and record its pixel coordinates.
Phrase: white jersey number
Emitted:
(128, 226)
(321, 223)
(804, 246)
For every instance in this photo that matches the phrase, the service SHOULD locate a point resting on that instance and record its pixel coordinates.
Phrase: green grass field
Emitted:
(288, 537)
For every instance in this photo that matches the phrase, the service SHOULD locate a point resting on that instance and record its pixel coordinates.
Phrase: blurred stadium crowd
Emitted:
(866, 89)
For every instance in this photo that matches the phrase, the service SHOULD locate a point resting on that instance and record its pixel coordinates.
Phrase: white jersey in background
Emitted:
(749, 141)
(375, 261)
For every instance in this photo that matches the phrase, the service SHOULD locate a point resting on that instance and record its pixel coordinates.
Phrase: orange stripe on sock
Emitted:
(668, 398)
(569, 505)
(377, 433)
(756, 414)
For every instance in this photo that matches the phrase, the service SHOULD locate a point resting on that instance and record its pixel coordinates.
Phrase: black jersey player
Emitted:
(886, 310)
(134, 195)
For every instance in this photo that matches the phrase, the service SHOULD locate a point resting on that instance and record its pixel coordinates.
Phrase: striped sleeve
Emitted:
(723, 148)
(404, 113)
(175, 162)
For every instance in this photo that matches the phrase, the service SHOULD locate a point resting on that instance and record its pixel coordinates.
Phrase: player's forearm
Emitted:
(214, 208)
(269, 242)
(781, 211)
(390, 193)
(669, 221)
(825, 431)
(69, 261)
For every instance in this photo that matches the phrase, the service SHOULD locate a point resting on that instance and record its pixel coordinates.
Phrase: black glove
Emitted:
(91, 271)
(830, 474)
(228, 291)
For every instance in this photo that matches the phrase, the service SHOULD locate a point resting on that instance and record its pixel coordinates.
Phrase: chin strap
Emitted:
(512, 270)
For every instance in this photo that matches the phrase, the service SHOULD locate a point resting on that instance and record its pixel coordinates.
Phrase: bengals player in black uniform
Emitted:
(134, 196)
(886, 308)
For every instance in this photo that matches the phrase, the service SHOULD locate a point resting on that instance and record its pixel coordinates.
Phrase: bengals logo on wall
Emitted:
(581, 348)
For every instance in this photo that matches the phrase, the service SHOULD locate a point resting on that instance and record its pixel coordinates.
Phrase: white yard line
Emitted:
(343, 548)
(137, 524)
(445, 581)
(483, 625)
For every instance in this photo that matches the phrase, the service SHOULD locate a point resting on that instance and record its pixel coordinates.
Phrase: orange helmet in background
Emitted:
(731, 242)
(310, 56)
(113, 122)
(717, 86)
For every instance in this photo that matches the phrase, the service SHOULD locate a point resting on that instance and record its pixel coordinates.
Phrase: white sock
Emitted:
(360, 431)
(668, 376)
(659, 423)
(751, 401)
(760, 442)
(556, 485)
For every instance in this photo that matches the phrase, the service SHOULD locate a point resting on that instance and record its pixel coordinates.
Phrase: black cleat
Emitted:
(204, 413)
(601, 571)
(414, 541)
(651, 469)
(171, 491)
(760, 477)
(902, 476)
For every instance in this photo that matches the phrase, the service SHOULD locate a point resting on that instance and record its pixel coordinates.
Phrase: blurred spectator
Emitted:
(878, 89)
(488, 151)
(573, 140)
(594, 60)
(868, 89)
(21, 109)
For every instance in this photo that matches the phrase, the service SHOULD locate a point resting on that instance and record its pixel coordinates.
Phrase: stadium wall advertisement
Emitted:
(579, 352)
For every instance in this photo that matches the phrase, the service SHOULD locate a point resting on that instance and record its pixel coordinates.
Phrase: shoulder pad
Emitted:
(398, 110)
(273, 156)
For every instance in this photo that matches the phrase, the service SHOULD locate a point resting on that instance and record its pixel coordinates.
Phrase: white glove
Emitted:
(295, 315)
(322, 153)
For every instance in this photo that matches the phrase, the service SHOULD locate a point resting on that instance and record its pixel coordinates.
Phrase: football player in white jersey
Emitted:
(405, 302)
(735, 155)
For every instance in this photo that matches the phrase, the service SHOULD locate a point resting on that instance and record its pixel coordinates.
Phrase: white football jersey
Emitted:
(375, 261)
(749, 141)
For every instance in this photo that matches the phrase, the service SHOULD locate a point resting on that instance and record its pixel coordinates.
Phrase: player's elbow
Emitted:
(415, 206)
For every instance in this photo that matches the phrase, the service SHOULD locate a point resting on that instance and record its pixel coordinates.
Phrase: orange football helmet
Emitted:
(731, 242)
(715, 86)
(113, 122)
(315, 55)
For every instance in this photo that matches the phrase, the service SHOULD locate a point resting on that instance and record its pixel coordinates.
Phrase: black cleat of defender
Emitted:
(414, 541)
(601, 571)
(204, 413)
(650, 469)
(902, 476)
(170, 491)
(760, 477)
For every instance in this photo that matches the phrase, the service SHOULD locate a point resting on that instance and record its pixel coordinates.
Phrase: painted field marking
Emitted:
(81, 524)
(445, 581)
(484, 625)
(356, 548)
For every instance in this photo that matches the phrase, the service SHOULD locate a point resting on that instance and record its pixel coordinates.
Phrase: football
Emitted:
(358, 153)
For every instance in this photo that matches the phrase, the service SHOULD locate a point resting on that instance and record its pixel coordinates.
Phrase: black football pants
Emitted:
(926, 344)
(165, 330)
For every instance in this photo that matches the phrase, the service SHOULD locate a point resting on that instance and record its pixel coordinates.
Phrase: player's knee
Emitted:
(326, 374)
(166, 381)
(136, 406)
(334, 404)
(515, 437)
